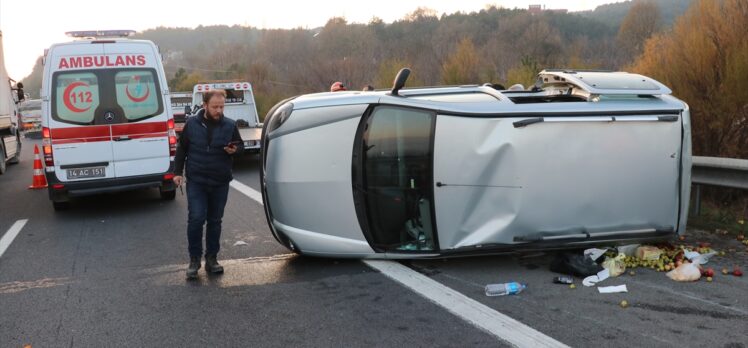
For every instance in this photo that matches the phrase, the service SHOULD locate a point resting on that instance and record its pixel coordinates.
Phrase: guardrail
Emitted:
(717, 171)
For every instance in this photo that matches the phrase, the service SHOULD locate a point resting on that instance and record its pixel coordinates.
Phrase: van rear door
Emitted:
(140, 139)
(80, 140)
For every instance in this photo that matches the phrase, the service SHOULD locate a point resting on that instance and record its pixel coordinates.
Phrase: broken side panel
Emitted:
(503, 185)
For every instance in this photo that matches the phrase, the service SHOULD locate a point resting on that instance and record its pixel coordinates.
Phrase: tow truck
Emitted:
(240, 106)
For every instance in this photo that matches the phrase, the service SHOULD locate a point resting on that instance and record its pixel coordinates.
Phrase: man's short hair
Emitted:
(212, 93)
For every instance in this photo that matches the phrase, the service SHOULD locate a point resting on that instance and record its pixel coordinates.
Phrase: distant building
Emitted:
(537, 9)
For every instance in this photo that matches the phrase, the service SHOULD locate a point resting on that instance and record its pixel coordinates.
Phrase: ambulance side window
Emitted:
(138, 94)
(76, 97)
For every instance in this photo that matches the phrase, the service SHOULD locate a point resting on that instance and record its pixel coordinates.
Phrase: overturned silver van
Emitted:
(581, 158)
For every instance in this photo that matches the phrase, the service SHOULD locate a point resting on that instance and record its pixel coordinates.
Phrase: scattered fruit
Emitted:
(737, 272)
(741, 237)
(722, 253)
(632, 273)
(572, 286)
(681, 238)
(725, 271)
(709, 279)
(709, 272)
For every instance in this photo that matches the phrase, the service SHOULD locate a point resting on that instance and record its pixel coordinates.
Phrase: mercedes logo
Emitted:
(109, 116)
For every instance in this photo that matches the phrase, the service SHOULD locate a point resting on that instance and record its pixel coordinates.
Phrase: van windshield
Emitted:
(90, 97)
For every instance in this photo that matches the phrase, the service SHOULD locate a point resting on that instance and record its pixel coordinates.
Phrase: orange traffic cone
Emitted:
(40, 181)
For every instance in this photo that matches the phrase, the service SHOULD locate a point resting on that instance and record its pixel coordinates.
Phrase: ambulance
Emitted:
(240, 107)
(107, 124)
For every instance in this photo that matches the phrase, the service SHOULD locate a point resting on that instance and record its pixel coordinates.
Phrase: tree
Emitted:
(525, 73)
(180, 75)
(705, 62)
(389, 69)
(641, 22)
(462, 67)
(188, 82)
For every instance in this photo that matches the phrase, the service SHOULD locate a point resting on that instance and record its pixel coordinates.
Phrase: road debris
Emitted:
(612, 289)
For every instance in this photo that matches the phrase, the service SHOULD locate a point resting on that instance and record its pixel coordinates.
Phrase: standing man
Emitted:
(207, 144)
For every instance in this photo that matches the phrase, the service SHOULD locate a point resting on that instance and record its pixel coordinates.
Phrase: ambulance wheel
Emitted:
(60, 205)
(3, 166)
(168, 195)
(17, 157)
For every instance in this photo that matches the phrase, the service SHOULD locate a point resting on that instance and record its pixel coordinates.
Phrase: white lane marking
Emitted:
(247, 191)
(495, 323)
(9, 236)
(480, 315)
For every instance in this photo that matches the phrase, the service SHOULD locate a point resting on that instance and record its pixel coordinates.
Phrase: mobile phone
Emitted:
(233, 143)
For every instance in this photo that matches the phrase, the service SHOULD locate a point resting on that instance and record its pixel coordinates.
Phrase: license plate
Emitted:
(92, 172)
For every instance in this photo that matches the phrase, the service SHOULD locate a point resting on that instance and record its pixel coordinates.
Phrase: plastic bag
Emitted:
(686, 272)
(572, 263)
(615, 265)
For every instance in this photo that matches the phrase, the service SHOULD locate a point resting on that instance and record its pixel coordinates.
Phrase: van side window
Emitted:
(77, 96)
(137, 93)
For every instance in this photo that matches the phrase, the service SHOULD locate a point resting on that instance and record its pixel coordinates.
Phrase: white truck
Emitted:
(240, 106)
(10, 134)
(181, 105)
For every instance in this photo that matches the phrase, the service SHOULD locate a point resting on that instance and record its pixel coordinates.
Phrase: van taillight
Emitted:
(172, 138)
(49, 160)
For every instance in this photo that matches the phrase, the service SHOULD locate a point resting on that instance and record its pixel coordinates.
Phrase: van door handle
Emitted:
(122, 138)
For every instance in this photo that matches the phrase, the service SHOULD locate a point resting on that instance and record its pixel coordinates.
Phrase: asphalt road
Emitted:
(110, 272)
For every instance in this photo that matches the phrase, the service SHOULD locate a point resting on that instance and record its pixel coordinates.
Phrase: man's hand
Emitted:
(230, 149)
(178, 180)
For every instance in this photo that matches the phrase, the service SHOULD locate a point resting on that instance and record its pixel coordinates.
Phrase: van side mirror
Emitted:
(19, 90)
(187, 110)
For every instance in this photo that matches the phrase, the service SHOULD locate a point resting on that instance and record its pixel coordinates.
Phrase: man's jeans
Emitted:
(205, 203)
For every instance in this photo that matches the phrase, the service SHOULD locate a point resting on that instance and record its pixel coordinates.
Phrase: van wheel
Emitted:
(3, 166)
(61, 205)
(168, 195)
(17, 157)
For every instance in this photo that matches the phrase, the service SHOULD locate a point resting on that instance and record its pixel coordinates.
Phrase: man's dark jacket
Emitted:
(201, 149)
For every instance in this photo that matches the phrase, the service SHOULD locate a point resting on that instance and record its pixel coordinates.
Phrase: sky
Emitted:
(30, 26)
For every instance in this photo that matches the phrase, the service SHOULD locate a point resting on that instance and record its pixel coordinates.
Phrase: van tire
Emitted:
(168, 195)
(3, 166)
(59, 206)
(17, 157)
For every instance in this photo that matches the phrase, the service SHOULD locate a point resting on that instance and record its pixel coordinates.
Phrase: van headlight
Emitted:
(280, 116)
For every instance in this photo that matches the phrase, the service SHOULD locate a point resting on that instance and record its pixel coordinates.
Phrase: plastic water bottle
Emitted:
(504, 289)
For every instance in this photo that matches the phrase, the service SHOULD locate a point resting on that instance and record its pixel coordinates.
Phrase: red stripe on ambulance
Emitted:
(88, 134)
(139, 128)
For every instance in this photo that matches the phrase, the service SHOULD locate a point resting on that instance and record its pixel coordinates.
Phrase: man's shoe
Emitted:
(211, 264)
(193, 267)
